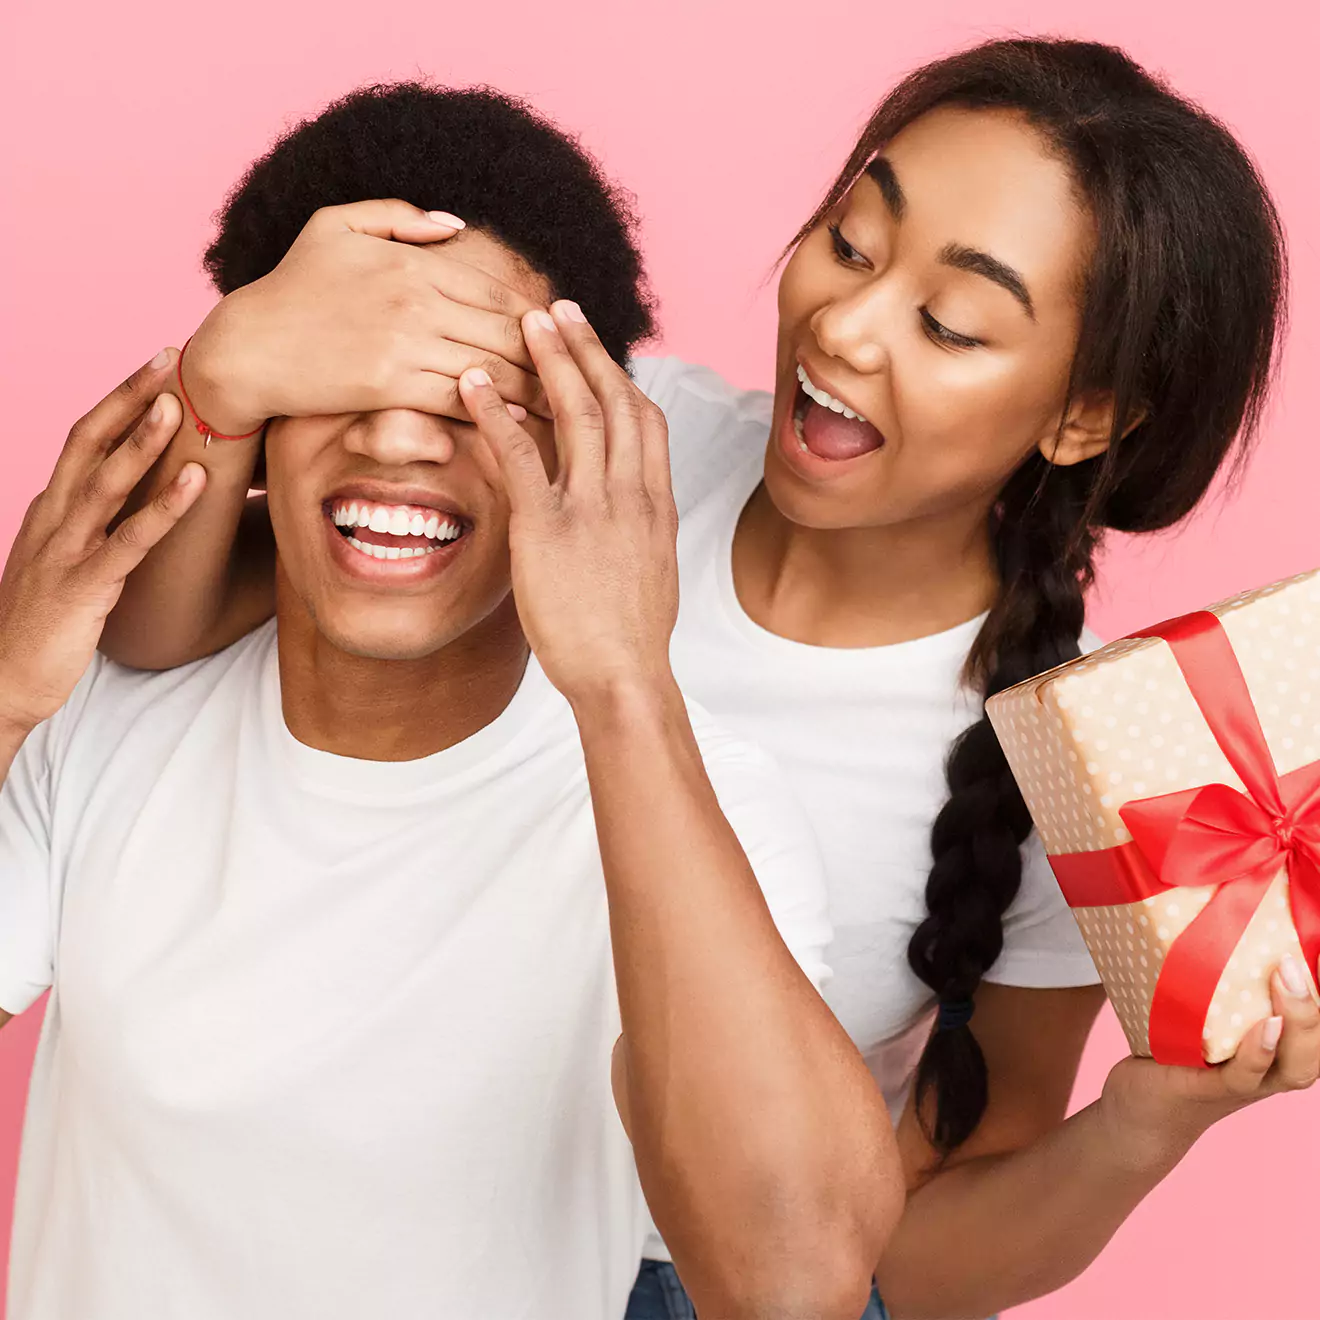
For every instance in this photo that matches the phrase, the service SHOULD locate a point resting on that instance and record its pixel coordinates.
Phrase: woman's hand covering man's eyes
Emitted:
(369, 309)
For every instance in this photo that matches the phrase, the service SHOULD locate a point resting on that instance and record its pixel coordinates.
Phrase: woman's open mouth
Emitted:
(827, 427)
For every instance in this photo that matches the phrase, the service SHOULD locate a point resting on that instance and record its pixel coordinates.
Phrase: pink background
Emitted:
(123, 124)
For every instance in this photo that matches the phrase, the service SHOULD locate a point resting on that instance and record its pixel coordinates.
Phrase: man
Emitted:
(342, 925)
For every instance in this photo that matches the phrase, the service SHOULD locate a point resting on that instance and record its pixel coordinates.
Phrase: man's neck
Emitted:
(396, 710)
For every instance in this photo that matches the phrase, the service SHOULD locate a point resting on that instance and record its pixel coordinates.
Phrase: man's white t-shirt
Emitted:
(861, 734)
(328, 1038)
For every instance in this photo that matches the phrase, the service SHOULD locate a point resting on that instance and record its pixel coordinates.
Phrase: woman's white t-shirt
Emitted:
(861, 734)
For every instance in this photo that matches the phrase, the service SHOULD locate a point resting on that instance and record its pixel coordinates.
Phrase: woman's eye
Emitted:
(943, 335)
(843, 249)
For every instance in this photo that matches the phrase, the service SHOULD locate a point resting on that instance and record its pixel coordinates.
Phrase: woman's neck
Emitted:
(866, 586)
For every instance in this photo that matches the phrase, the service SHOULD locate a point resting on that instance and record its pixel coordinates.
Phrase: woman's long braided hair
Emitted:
(1183, 314)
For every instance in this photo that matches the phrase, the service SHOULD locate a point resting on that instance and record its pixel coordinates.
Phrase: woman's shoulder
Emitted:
(715, 428)
(672, 382)
(1089, 641)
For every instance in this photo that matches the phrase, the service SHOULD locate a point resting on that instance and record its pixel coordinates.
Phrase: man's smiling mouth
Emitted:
(394, 531)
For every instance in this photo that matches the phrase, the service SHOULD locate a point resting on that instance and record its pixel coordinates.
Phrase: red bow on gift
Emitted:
(1211, 835)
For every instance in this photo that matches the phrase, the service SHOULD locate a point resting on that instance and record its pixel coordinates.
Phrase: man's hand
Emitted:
(762, 1142)
(361, 314)
(595, 574)
(65, 570)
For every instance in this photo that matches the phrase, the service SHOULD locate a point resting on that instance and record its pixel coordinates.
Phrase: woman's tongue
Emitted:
(831, 435)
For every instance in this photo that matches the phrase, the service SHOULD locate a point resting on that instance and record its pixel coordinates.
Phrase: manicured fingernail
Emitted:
(1270, 1033)
(1293, 978)
(159, 360)
(476, 377)
(188, 475)
(517, 411)
(157, 412)
(444, 218)
(571, 311)
(541, 320)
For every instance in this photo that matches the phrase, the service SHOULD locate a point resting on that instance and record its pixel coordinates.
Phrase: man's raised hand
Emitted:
(66, 568)
(595, 573)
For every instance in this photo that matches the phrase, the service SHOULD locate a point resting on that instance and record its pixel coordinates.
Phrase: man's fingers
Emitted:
(131, 541)
(655, 461)
(109, 483)
(1298, 1061)
(622, 402)
(624, 406)
(579, 418)
(94, 435)
(520, 462)
(390, 218)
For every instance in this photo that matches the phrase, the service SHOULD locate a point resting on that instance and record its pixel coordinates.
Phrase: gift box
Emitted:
(1174, 777)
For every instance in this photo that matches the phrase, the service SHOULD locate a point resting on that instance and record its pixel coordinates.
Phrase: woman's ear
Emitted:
(1087, 429)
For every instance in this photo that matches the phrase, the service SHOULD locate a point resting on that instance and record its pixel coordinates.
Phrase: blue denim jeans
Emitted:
(658, 1295)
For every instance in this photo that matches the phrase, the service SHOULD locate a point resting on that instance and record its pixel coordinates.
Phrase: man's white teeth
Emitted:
(391, 551)
(826, 400)
(394, 520)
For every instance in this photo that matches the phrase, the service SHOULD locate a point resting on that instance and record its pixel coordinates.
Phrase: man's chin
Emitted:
(398, 629)
(388, 648)
(380, 641)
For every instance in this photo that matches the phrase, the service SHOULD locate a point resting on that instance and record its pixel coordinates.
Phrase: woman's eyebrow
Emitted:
(957, 255)
(890, 189)
(982, 263)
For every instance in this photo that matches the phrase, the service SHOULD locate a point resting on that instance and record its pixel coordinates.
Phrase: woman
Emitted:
(1042, 299)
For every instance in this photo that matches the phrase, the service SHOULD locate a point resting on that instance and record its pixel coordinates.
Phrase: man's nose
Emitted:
(395, 437)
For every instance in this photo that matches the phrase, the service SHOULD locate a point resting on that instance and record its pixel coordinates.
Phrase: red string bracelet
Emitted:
(202, 428)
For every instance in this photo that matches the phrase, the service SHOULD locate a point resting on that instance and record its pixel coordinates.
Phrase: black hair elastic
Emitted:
(954, 1013)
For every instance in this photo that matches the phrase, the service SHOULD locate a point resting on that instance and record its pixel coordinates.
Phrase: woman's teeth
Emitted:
(819, 396)
(394, 521)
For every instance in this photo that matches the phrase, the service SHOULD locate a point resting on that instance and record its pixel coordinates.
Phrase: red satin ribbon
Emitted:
(1211, 835)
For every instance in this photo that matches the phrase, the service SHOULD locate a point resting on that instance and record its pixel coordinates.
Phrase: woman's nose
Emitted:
(852, 329)
(395, 437)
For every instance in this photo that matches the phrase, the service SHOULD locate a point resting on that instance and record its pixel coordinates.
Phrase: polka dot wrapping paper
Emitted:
(1121, 727)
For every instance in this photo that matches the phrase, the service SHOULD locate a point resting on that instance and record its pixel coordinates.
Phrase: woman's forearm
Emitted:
(998, 1231)
(765, 1149)
(205, 585)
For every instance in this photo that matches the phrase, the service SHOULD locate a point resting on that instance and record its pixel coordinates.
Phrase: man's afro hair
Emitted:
(476, 153)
